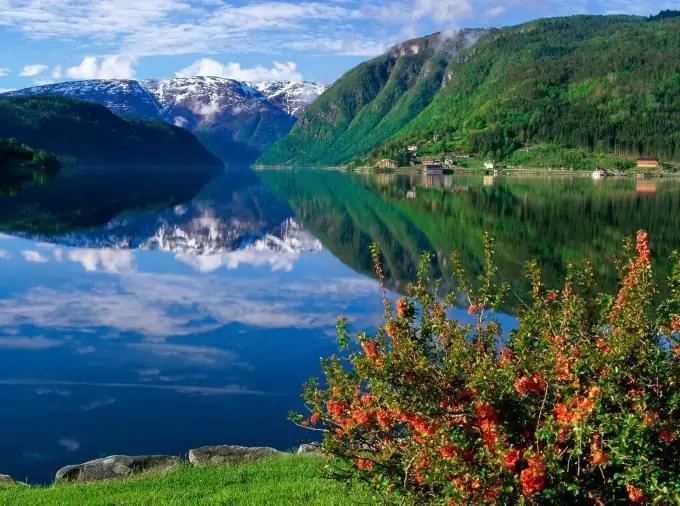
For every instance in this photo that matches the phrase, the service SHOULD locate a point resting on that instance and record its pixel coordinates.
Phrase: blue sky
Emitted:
(53, 40)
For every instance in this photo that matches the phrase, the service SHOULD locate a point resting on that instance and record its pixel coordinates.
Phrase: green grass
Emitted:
(280, 481)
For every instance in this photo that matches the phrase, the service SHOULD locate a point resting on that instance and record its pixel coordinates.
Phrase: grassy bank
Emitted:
(279, 481)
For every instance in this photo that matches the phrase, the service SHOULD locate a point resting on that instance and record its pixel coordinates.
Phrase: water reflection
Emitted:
(160, 319)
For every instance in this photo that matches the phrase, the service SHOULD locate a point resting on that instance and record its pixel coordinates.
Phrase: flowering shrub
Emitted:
(578, 405)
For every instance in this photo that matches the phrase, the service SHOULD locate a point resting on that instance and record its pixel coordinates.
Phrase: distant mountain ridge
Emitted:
(88, 134)
(236, 120)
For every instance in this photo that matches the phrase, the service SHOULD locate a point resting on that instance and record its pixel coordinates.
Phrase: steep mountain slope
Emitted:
(233, 119)
(86, 133)
(596, 83)
(293, 97)
(371, 102)
(580, 84)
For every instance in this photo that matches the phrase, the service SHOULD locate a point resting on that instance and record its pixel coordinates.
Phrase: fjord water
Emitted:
(156, 312)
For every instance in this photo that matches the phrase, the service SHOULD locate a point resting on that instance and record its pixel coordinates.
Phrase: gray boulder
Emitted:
(307, 449)
(225, 455)
(113, 467)
(6, 480)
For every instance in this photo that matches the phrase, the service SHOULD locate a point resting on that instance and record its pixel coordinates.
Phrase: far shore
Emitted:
(502, 171)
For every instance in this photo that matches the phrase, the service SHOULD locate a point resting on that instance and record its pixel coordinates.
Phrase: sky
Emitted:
(43, 41)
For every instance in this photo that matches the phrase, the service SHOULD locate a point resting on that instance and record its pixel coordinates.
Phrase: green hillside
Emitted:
(370, 103)
(85, 133)
(593, 84)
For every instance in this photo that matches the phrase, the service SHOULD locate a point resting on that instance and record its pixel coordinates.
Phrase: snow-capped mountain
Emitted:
(230, 117)
(123, 97)
(292, 97)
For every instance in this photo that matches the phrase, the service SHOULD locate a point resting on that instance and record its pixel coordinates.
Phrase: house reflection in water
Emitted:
(645, 187)
(489, 180)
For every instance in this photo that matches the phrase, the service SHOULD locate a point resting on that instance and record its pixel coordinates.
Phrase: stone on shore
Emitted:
(6, 480)
(306, 449)
(114, 467)
(225, 455)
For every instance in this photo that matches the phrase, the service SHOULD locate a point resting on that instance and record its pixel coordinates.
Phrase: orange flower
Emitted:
(402, 306)
(676, 350)
(305, 423)
(552, 296)
(314, 419)
(371, 349)
(366, 399)
(634, 494)
(599, 457)
(650, 418)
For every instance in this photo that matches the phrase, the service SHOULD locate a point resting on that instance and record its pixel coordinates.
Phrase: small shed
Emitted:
(412, 148)
(489, 165)
(648, 163)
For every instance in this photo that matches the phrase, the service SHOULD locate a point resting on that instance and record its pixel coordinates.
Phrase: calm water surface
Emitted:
(175, 312)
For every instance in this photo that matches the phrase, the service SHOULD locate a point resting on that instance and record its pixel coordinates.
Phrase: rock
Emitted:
(115, 466)
(312, 448)
(6, 480)
(222, 455)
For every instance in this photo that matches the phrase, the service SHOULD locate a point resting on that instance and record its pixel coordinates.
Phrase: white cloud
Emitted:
(286, 71)
(56, 72)
(494, 12)
(4, 71)
(70, 445)
(108, 67)
(4, 255)
(98, 404)
(107, 260)
(33, 70)
(34, 257)
(85, 350)
(180, 121)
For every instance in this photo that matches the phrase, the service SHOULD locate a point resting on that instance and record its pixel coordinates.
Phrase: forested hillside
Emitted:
(86, 133)
(371, 102)
(607, 84)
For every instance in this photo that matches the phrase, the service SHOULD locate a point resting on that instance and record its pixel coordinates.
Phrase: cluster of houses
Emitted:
(430, 164)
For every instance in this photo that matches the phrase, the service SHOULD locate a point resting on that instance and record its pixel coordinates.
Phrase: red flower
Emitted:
(533, 477)
(511, 459)
(534, 384)
(675, 323)
(364, 464)
(314, 419)
(667, 436)
(507, 357)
